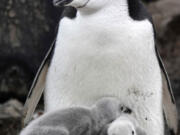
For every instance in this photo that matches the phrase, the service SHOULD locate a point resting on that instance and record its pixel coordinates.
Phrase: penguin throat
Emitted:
(115, 10)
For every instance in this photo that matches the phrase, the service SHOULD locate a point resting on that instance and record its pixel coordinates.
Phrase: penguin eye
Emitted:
(132, 132)
(122, 108)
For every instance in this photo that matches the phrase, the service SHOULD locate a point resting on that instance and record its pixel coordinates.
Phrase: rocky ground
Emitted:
(27, 28)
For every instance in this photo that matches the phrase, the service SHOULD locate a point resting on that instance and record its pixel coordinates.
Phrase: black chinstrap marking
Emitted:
(84, 4)
(137, 11)
(61, 2)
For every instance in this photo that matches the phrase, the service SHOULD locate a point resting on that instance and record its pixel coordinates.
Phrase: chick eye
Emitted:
(125, 110)
(132, 132)
(122, 108)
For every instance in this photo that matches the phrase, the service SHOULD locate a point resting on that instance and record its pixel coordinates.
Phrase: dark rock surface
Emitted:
(10, 126)
(10, 117)
(27, 28)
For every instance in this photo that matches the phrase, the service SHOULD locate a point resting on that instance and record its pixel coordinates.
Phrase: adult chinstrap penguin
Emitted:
(108, 49)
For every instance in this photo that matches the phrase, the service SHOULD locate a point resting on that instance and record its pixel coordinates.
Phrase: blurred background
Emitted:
(27, 29)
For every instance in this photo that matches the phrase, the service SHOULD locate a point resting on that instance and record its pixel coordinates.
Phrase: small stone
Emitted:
(10, 2)
(12, 13)
(23, 1)
(12, 108)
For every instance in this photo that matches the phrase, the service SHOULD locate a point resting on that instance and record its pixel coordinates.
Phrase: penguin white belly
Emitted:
(93, 61)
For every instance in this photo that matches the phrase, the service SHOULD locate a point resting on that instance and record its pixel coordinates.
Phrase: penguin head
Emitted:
(131, 8)
(88, 5)
(108, 107)
(82, 3)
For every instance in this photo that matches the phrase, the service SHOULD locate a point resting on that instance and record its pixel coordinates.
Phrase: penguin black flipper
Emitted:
(37, 87)
(169, 105)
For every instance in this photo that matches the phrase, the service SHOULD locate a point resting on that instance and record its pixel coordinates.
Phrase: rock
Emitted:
(163, 12)
(10, 117)
(12, 108)
(15, 81)
(10, 126)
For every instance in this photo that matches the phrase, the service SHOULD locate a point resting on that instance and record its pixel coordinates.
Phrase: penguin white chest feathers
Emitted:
(103, 54)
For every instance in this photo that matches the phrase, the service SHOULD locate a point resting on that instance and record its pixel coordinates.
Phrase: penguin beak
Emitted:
(61, 3)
